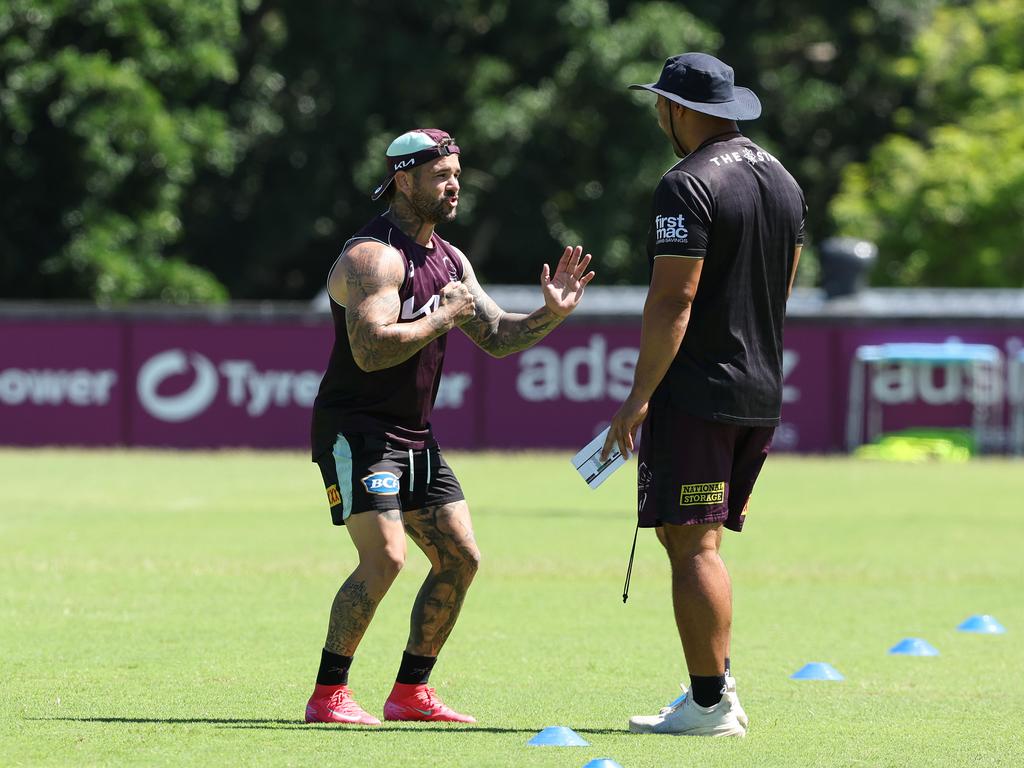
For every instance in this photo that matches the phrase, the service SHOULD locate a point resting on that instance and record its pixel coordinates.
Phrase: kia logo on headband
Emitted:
(404, 163)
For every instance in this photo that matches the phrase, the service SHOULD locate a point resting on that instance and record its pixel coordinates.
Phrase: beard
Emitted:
(430, 208)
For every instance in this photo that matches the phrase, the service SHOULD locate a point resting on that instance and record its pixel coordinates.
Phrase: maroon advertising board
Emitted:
(914, 394)
(810, 391)
(563, 391)
(195, 383)
(201, 385)
(62, 383)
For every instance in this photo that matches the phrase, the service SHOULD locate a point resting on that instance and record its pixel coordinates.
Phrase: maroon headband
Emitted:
(443, 145)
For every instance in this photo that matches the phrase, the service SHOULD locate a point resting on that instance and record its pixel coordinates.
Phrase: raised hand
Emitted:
(564, 289)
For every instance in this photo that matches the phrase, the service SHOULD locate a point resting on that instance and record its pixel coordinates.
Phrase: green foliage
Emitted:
(822, 72)
(142, 139)
(103, 131)
(555, 148)
(586, 153)
(946, 203)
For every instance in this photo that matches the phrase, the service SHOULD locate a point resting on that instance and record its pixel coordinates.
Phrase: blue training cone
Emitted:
(602, 762)
(982, 623)
(817, 670)
(558, 736)
(914, 646)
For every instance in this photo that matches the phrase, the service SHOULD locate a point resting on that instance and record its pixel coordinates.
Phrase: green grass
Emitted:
(168, 609)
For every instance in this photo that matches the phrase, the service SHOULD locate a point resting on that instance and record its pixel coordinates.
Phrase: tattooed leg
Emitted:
(445, 534)
(380, 540)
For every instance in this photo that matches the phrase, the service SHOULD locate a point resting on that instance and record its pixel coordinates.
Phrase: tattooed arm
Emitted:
(366, 281)
(501, 333)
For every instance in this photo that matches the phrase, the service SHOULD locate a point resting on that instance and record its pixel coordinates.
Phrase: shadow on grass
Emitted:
(172, 720)
(298, 725)
(420, 728)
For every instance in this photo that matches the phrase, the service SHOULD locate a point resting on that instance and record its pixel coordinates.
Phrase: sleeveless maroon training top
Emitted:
(396, 401)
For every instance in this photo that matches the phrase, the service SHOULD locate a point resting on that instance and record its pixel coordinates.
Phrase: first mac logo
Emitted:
(382, 483)
(670, 229)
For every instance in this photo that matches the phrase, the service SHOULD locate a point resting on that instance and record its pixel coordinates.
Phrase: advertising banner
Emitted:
(957, 392)
(561, 392)
(200, 383)
(62, 383)
(254, 385)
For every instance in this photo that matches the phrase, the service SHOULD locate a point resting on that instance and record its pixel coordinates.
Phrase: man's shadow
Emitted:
(245, 723)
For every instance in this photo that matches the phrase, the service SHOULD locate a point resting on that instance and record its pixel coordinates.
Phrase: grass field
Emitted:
(168, 609)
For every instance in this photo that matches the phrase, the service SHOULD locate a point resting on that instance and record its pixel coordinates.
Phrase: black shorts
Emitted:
(694, 471)
(366, 472)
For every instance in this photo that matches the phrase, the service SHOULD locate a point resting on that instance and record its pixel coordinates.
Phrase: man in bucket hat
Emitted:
(396, 290)
(724, 240)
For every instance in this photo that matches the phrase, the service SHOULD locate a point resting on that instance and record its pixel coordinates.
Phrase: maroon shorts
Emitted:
(694, 471)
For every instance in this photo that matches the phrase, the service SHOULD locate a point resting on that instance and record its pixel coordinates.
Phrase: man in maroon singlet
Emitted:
(396, 290)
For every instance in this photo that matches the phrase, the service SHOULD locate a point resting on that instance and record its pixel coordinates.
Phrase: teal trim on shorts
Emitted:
(343, 466)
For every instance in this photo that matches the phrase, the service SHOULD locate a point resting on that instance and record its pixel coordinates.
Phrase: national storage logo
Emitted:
(701, 493)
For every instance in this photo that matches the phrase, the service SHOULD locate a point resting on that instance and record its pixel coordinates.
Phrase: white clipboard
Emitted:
(588, 461)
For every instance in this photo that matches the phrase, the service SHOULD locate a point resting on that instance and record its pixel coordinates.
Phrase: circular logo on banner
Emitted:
(184, 405)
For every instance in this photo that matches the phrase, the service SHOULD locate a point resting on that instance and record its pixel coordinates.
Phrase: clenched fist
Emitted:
(458, 302)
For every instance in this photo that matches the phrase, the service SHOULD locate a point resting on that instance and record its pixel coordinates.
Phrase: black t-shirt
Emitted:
(736, 207)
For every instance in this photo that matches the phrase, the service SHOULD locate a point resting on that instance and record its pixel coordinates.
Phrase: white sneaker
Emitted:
(688, 718)
(730, 689)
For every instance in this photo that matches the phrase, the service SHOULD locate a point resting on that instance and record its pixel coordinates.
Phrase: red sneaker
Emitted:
(335, 704)
(420, 702)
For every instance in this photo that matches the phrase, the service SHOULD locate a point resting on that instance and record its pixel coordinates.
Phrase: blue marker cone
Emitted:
(817, 670)
(602, 762)
(914, 646)
(558, 736)
(982, 623)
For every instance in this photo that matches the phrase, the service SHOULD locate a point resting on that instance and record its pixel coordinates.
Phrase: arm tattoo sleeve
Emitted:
(501, 333)
(378, 340)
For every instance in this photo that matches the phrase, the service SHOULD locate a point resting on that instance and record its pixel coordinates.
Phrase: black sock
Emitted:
(728, 667)
(333, 669)
(415, 670)
(707, 691)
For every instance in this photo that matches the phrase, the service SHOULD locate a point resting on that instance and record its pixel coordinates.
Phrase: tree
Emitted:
(184, 150)
(103, 127)
(824, 74)
(555, 148)
(946, 203)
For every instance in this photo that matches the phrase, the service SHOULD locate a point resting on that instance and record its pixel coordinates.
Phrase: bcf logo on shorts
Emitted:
(382, 483)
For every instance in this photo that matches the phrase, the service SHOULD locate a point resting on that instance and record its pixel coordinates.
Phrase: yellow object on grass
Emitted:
(920, 445)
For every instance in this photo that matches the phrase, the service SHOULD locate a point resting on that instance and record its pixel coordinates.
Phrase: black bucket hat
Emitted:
(705, 84)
